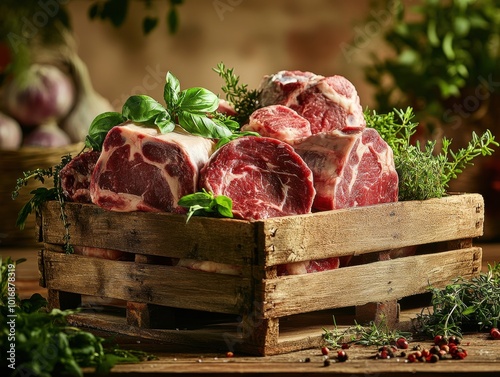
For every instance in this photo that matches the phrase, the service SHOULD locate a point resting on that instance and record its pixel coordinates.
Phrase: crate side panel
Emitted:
(373, 282)
(156, 284)
(362, 230)
(219, 240)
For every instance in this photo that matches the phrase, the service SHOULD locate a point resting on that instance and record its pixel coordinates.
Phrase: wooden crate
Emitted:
(258, 312)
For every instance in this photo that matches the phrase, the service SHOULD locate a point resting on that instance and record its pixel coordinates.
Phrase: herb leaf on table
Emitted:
(463, 305)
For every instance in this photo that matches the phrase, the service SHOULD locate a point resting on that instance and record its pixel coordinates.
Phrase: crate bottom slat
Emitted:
(299, 332)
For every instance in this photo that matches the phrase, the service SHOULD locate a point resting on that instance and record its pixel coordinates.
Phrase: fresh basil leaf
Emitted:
(224, 140)
(204, 203)
(202, 198)
(198, 101)
(145, 110)
(201, 125)
(171, 91)
(224, 205)
(99, 128)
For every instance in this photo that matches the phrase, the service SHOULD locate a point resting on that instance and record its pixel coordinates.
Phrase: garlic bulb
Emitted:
(40, 94)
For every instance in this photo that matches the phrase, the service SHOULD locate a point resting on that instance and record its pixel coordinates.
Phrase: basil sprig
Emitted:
(204, 203)
(194, 109)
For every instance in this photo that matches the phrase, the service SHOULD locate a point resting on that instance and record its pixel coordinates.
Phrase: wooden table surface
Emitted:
(483, 353)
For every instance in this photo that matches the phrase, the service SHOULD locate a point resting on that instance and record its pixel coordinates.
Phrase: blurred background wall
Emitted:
(256, 37)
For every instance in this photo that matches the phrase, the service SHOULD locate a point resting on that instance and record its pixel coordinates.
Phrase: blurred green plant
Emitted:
(437, 50)
(115, 11)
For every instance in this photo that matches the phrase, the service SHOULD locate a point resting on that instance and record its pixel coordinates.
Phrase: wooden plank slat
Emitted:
(163, 234)
(156, 284)
(373, 282)
(360, 230)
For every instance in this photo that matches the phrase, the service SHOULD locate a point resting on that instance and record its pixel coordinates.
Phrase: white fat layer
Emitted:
(197, 149)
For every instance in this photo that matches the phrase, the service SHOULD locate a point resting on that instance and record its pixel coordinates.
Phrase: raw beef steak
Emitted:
(263, 176)
(284, 86)
(279, 122)
(75, 177)
(328, 103)
(350, 169)
(142, 170)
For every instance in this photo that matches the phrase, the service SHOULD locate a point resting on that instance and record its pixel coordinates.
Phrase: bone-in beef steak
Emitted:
(263, 176)
(328, 103)
(350, 169)
(75, 177)
(142, 170)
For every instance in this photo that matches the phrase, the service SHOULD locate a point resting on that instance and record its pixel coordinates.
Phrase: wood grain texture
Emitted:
(380, 227)
(272, 241)
(163, 234)
(439, 230)
(163, 285)
(373, 282)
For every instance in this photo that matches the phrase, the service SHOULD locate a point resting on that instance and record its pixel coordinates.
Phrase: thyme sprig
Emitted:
(373, 334)
(245, 101)
(41, 195)
(463, 305)
(423, 172)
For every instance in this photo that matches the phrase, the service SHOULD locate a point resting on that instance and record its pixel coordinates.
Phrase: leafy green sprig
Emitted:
(205, 203)
(372, 334)
(194, 109)
(423, 172)
(45, 344)
(463, 305)
(41, 195)
(245, 101)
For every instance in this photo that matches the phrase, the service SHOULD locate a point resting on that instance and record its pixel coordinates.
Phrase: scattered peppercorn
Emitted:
(229, 354)
(326, 362)
(453, 339)
(402, 343)
(325, 351)
(495, 333)
(342, 356)
(438, 339)
(433, 358)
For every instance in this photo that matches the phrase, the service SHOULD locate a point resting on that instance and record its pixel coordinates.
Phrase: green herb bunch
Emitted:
(44, 343)
(438, 48)
(423, 172)
(194, 109)
(463, 305)
(373, 334)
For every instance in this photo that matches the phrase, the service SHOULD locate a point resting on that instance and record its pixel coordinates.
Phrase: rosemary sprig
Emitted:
(371, 335)
(245, 101)
(463, 305)
(42, 194)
